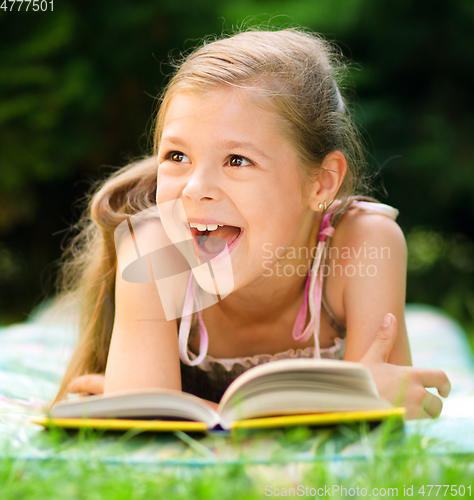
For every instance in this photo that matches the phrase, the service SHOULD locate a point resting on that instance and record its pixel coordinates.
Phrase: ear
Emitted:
(329, 180)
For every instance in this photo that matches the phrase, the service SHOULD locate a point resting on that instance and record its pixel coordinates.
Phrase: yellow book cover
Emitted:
(310, 419)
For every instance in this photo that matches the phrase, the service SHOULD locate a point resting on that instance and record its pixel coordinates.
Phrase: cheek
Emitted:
(167, 187)
(284, 222)
(281, 202)
(274, 220)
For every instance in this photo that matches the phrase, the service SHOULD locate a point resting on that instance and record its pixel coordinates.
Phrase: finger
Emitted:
(382, 344)
(78, 384)
(432, 405)
(436, 378)
(414, 414)
(73, 386)
(93, 384)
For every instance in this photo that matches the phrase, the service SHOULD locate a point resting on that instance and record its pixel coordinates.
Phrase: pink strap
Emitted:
(185, 328)
(298, 334)
(326, 229)
(316, 309)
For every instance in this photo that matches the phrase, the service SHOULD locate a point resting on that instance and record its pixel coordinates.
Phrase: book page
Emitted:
(135, 403)
(327, 367)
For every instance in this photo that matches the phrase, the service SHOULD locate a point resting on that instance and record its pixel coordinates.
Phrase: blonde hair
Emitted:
(88, 272)
(298, 72)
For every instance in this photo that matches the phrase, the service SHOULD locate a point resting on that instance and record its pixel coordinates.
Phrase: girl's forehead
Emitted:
(247, 104)
(189, 103)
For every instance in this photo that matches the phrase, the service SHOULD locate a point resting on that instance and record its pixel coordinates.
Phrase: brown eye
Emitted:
(239, 161)
(176, 156)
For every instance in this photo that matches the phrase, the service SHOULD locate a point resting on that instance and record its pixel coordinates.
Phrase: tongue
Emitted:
(214, 242)
(227, 233)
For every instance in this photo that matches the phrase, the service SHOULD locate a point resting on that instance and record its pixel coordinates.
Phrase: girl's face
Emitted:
(229, 163)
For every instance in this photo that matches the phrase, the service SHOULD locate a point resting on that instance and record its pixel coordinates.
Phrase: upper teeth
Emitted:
(204, 227)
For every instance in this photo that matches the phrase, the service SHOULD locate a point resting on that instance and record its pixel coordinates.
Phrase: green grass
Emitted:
(387, 461)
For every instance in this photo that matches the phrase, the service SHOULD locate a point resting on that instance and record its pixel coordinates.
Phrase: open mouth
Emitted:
(214, 241)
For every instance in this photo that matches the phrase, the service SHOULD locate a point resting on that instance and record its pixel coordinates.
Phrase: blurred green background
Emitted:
(78, 87)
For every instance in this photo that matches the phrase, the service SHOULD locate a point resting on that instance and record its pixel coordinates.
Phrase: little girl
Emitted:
(255, 141)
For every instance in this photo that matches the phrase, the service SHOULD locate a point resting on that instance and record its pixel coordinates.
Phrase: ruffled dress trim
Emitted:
(334, 352)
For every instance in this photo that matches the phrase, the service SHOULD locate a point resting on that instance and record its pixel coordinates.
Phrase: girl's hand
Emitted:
(94, 384)
(404, 385)
(87, 384)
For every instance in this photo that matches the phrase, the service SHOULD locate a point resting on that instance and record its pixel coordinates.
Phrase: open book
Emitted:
(280, 393)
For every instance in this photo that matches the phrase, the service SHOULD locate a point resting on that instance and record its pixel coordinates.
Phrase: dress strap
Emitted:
(297, 332)
(313, 289)
(376, 208)
(190, 301)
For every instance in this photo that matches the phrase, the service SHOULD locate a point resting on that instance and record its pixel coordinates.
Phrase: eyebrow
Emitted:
(223, 145)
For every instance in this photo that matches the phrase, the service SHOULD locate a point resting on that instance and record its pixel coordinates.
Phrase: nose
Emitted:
(201, 185)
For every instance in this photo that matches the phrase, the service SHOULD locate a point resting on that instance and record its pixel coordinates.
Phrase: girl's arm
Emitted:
(373, 256)
(375, 248)
(144, 345)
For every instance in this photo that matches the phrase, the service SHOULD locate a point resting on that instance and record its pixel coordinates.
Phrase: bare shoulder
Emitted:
(368, 280)
(366, 247)
(360, 228)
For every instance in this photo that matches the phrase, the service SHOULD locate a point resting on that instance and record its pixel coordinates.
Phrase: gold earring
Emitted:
(323, 206)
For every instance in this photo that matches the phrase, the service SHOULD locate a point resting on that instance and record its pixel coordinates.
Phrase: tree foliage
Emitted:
(78, 88)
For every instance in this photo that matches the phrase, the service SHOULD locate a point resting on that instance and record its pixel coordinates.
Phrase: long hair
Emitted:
(88, 272)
